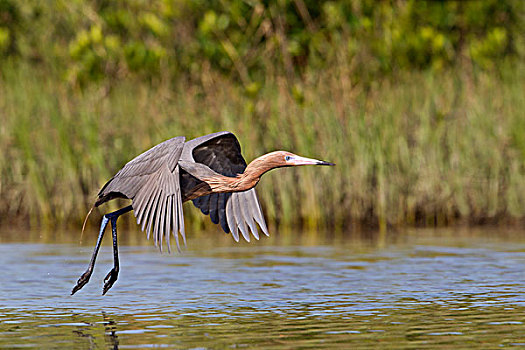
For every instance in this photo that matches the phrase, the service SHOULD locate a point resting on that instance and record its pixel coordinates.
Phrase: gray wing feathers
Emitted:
(134, 175)
(242, 211)
(255, 208)
(232, 223)
(152, 182)
(167, 228)
(158, 207)
(239, 217)
(159, 224)
(151, 213)
(131, 178)
(247, 217)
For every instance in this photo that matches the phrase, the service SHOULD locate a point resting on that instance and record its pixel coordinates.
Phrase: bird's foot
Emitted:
(82, 281)
(110, 278)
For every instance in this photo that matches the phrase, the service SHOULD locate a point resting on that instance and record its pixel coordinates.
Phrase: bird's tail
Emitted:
(85, 221)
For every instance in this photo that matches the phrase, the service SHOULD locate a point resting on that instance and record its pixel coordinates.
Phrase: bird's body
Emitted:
(208, 170)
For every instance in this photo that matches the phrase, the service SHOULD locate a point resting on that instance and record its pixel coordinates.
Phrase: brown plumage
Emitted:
(208, 170)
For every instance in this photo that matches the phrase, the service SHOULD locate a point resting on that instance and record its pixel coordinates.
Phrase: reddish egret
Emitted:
(208, 170)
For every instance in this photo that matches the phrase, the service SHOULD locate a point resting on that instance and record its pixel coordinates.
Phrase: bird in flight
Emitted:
(209, 170)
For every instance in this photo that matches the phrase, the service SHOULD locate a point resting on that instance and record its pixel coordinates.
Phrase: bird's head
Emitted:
(285, 159)
(277, 159)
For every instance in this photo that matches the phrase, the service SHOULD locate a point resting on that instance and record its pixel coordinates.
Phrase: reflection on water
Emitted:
(412, 290)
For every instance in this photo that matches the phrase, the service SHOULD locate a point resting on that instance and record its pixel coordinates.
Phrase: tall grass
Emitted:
(413, 149)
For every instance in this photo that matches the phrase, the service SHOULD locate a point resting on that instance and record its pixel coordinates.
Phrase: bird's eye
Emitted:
(287, 158)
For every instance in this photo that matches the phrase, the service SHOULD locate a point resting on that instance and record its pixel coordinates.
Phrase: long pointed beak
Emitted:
(296, 160)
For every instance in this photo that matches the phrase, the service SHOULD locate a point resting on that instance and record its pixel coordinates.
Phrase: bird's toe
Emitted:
(82, 281)
(109, 280)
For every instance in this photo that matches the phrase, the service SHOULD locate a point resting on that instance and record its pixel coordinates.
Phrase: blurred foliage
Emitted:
(420, 103)
(416, 149)
(252, 39)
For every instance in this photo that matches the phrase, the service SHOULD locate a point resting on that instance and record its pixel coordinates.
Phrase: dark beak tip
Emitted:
(326, 163)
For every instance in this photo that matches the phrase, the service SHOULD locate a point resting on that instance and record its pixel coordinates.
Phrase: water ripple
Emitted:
(411, 295)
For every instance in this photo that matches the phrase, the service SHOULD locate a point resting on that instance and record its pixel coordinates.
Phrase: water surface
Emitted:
(406, 290)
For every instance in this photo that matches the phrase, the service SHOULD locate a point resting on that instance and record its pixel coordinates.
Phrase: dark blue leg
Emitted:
(87, 275)
(105, 219)
(112, 276)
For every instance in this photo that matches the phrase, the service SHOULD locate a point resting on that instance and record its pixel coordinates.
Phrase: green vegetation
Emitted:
(419, 148)
(419, 103)
(249, 41)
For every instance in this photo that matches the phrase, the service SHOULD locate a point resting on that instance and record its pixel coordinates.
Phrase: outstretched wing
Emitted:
(237, 211)
(152, 182)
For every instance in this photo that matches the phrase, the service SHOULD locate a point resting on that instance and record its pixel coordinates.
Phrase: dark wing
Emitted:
(151, 181)
(237, 211)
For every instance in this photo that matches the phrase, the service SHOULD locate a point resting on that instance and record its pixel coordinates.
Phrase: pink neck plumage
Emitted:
(249, 178)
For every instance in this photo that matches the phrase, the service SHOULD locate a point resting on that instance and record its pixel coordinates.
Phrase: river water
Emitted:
(415, 289)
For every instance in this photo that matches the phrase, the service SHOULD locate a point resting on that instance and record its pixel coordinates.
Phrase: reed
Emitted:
(413, 149)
